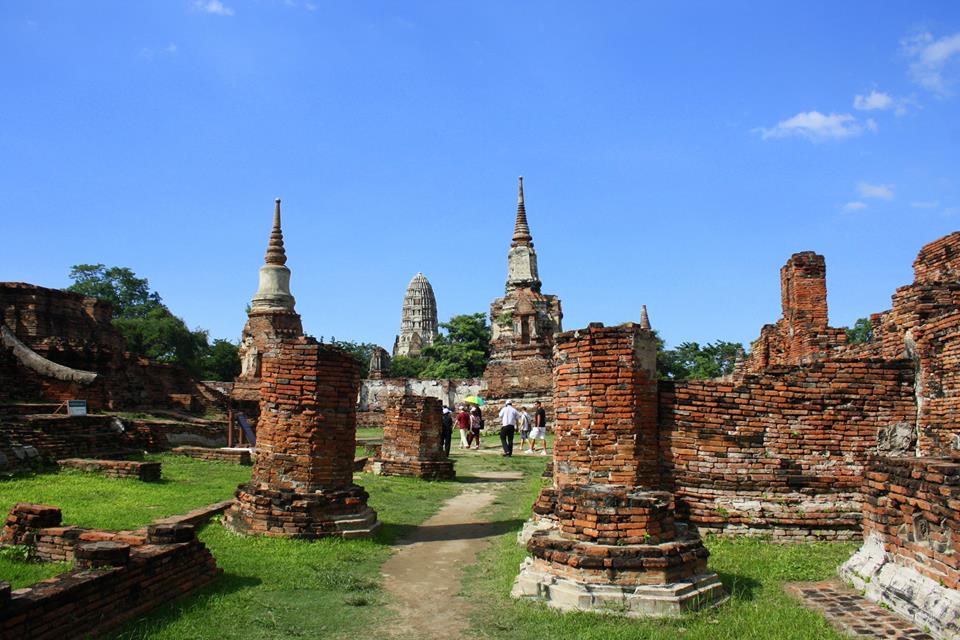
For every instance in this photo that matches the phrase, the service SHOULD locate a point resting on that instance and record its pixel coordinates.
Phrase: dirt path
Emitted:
(423, 577)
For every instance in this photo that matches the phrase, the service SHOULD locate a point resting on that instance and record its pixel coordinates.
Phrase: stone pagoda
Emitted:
(418, 321)
(605, 537)
(272, 318)
(524, 322)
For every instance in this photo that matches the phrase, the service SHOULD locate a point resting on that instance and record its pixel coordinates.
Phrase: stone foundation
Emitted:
(909, 560)
(289, 514)
(144, 471)
(233, 455)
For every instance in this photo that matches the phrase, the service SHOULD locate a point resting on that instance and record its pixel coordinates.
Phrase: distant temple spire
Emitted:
(644, 319)
(521, 232)
(275, 252)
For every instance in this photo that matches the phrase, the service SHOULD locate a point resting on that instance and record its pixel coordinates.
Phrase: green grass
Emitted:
(369, 433)
(19, 572)
(91, 500)
(276, 588)
(752, 570)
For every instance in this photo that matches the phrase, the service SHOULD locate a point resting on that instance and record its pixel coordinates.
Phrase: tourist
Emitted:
(463, 423)
(476, 425)
(446, 430)
(539, 430)
(525, 424)
(508, 421)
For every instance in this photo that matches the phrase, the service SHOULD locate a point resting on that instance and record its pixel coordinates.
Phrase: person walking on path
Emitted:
(463, 423)
(525, 424)
(539, 430)
(446, 431)
(476, 425)
(508, 421)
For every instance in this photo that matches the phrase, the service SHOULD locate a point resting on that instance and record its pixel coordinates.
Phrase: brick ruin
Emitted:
(302, 482)
(606, 539)
(56, 345)
(375, 394)
(524, 322)
(411, 440)
(118, 575)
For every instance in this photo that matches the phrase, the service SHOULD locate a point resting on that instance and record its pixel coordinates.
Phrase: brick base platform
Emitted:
(288, 514)
(426, 469)
(852, 613)
(611, 549)
(145, 471)
(232, 455)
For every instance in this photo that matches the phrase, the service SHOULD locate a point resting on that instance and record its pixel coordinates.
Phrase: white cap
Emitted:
(510, 402)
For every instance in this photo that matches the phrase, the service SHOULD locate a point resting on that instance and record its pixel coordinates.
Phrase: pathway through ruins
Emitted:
(423, 576)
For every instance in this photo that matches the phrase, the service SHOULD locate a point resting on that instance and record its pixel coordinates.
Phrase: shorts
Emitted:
(537, 432)
(525, 434)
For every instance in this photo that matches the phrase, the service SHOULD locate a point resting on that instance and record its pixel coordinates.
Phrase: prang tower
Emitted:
(418, 321)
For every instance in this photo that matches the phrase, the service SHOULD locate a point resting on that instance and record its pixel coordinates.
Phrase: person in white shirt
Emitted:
(509, 417)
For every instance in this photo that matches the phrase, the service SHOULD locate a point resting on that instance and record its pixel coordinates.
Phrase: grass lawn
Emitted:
(752, 570)
(91, 500)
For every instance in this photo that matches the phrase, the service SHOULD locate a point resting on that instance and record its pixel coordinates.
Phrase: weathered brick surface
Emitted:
(411, 440)
(803, 332)
(781, 452)
(33, 440)
(144, 471)
(606, 407)
(913, 504)
(223, 454)
(302, 481)
(119, 577)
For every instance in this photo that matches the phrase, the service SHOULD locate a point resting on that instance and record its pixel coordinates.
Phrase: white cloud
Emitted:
(875, 101)
(856, 205)
(929, 204)
(929, 59)
(171, 48)
(214, 7)
(818, 127)
(880, 191)
(149, 53)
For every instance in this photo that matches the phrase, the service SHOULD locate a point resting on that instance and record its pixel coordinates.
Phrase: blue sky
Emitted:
(672, 155)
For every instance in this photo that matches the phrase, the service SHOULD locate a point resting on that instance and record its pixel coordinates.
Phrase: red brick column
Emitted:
(605, 398)
(302, 483)
(411, 440)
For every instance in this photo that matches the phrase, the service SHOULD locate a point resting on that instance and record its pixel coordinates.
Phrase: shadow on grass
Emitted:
(466, 531)
(479, 480)
(739, 587)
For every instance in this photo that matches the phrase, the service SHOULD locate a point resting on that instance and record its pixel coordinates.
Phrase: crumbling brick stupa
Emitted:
(418, 321)
(523, 323)
(606, 538)
(302, 482)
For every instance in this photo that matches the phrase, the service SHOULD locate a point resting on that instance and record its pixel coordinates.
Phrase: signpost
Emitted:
(76, 407)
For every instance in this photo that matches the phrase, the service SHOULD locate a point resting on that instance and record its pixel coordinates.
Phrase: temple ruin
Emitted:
(523, 324)
(411, 440)
(418, 319)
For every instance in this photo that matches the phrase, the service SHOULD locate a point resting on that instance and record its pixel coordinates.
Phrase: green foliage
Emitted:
(461, 350)
(361, 351)
(149, 328)
(130, 296)
(407, 366)
(221, 361)
(862, 331)
(690, 361)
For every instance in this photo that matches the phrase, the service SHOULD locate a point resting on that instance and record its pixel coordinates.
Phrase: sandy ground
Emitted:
(423, 577)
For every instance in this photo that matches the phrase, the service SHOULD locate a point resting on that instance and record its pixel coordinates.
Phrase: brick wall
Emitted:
(56, 437)
(116, 581)
(144, 471)
(913, 505)
(781, 452)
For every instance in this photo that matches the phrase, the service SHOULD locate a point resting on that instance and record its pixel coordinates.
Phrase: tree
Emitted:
(148, 327)
(361, 351)
(221, 361)
(690, 361)
(862, 331)
(407, 366)
(462, 350)
(130, 296)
